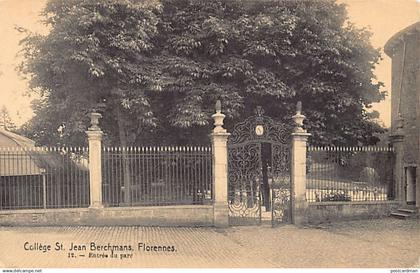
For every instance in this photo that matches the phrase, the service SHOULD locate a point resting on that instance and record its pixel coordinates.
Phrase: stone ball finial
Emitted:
(218, 106)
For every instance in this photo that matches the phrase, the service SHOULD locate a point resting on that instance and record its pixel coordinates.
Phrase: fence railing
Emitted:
(57, 177)
(43, 177)
(350, 174)
(153, 176)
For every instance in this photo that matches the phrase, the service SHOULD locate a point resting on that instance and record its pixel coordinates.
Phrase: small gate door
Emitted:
(248, 185)
(244, 184)
(280, 185)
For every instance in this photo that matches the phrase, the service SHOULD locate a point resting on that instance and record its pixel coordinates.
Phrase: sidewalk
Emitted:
(377, 243)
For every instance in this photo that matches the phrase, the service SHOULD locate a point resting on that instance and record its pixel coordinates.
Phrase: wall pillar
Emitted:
(95, 161)
(298, 169)
(219, 139)
(397, 142)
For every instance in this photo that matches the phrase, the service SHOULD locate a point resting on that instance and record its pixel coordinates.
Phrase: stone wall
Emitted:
(196, 215)
(338, 211)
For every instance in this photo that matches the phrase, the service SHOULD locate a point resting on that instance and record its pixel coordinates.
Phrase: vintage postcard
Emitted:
(209, 134)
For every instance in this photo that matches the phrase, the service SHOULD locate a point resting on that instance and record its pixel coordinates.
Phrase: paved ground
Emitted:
(376, 243)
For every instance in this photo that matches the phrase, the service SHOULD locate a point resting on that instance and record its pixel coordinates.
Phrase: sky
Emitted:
(383, 17)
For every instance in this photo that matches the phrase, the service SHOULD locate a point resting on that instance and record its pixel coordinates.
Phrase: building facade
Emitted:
(403, 48)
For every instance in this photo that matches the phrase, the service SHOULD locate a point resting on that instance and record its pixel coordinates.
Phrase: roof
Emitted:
(9, 139)
(15, 161)
(398, 37)
(20, 157)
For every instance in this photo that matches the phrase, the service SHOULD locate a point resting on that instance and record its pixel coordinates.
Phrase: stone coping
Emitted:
(334, 203)
(58, 210)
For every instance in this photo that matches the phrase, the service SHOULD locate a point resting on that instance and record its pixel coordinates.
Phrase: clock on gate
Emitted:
(259, 130)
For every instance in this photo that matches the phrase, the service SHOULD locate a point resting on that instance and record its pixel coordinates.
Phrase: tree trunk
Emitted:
(126, 164)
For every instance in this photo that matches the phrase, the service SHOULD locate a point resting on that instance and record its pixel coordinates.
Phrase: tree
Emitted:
(49, 126)
(6, 120)
(156, 70)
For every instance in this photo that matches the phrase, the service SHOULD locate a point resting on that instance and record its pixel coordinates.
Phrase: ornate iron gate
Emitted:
(280, 185)
(259, 171)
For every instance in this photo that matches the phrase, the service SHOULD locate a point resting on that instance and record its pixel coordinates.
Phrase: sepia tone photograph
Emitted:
(209, 134)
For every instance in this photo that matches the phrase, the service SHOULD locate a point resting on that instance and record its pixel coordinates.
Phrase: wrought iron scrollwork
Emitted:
(281, 186)
(280, 161)
(273, 132)
(280, 205)
(244, 175)
(245, 169)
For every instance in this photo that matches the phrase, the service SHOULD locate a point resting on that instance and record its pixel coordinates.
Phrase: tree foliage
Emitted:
(155, 70)
(6, 121)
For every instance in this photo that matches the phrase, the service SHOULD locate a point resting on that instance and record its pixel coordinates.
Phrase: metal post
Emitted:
(44, 189)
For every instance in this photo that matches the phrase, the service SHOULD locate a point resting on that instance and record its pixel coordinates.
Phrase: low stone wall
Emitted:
(321, 212)
(200, 215)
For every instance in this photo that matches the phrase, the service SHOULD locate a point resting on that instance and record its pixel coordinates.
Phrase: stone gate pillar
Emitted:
(95, 156)
(219, 138)
(397, 142)
(298, 168)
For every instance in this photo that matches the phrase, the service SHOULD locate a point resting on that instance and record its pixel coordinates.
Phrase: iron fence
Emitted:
(350, 174)
(43, 177)
(154, 176)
